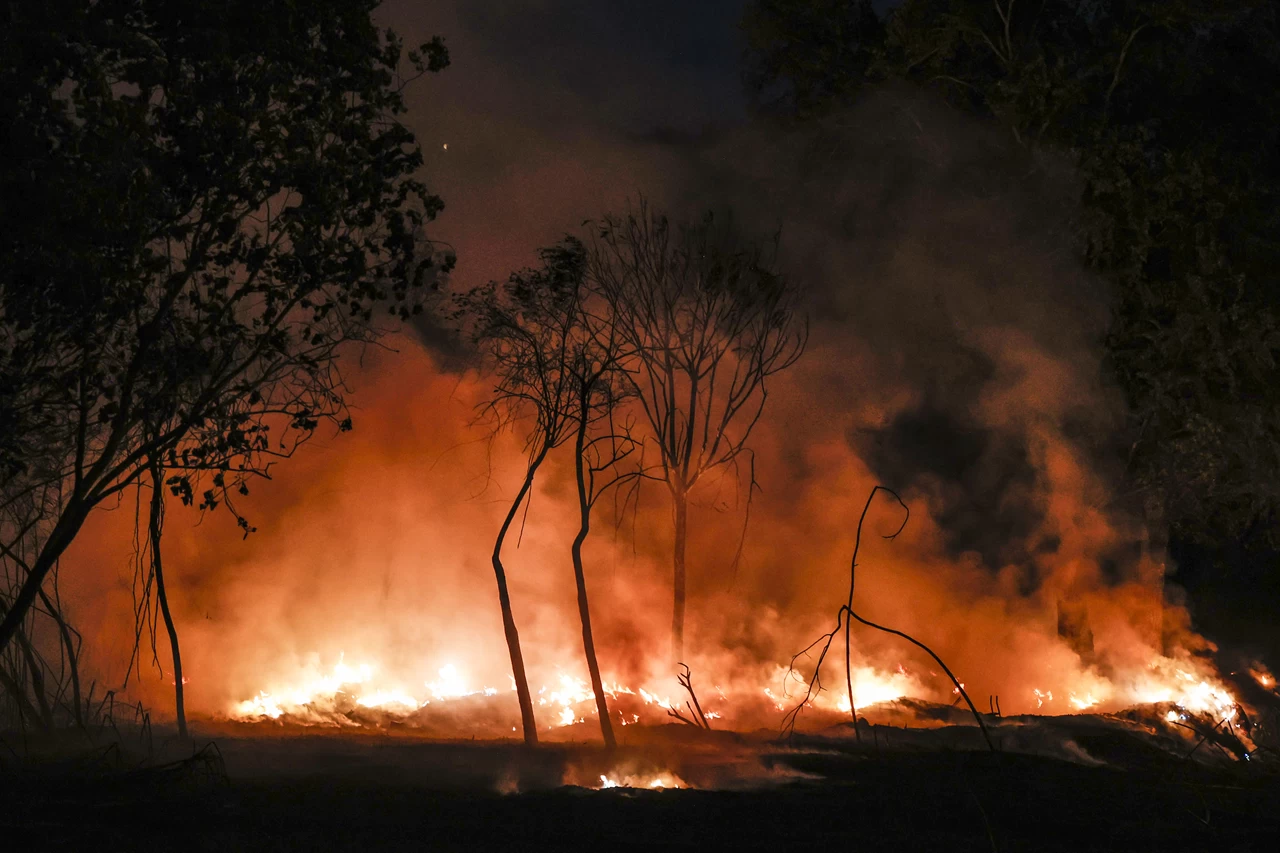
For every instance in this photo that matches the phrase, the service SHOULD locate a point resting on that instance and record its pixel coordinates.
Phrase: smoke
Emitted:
(955, 356)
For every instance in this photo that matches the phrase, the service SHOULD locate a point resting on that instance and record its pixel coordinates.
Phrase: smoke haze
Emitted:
(955, 356)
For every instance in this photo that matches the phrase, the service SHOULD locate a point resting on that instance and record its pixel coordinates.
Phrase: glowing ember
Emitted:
(449, 686)
(1187, 686)
(388, 699)
(660, 781)
(1082, 702)
(871, 687)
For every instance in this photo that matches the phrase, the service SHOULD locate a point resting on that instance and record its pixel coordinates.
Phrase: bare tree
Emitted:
(706, 319)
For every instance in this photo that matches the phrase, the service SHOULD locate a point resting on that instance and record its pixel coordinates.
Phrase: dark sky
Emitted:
(554, 111)
(627, 66)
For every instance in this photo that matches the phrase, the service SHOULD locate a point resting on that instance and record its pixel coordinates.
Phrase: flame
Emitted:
(1165, 681)
(660, 781)
(1187, 686)
(1081, 703)
(871, 687)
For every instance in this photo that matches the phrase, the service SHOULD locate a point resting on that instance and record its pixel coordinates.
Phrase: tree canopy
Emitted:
(201, 203)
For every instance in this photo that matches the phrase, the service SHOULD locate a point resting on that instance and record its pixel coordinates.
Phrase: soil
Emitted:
(373, 793)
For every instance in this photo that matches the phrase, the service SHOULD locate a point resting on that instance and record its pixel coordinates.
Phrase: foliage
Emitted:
(200, 204)
(529, 330)
(1170, 111)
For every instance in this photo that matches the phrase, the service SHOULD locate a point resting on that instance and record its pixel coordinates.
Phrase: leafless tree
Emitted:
(706, 319)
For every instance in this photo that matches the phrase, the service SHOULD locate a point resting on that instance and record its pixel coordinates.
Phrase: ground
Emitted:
(395, 793)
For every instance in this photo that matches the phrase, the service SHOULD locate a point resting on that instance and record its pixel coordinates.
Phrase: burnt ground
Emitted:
(392, 793)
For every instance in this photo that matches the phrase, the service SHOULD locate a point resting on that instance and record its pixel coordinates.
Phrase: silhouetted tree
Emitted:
(705, 319)
(525, 329)
(200, 205)
(557, 360)
(603, 442)
(155, 531)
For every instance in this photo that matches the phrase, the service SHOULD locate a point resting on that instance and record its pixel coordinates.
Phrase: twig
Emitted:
(687, 683)
(790, 719)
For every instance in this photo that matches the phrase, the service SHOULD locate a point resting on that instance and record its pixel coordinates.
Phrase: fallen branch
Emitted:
(686, 682)
(846, 610)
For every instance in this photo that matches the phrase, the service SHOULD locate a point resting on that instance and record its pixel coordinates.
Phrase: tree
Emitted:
(840, 39)
(155, 530)
(201, 204)
(525, 328)
(602, 444)
(1170, 112)
(557, 361)
(705, 319)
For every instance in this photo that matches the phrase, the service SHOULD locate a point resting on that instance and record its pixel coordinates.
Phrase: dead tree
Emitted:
(707, 319)
(696, 718)
(846, 612)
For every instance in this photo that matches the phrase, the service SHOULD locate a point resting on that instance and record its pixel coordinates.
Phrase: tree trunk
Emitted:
(680, 498)
(60, 537)
(508, 620)
(156, 526)
(73, 657)
(35, 674)
(584, 609)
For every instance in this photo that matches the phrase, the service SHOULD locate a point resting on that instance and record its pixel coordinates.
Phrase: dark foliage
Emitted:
(200, 204)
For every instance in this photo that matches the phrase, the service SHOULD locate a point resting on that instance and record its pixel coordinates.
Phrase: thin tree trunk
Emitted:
(60, 537)
(73, 659)
(36, 675)
(156, 526)
(584, 609)
(21, 700)
(680, 498)
(527, 720)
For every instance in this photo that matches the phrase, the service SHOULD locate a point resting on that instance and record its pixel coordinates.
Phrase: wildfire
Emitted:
(1163, 682)
(659, 782)
(871, 687)
(1197, 694)
(330, 698)
(312, 700)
